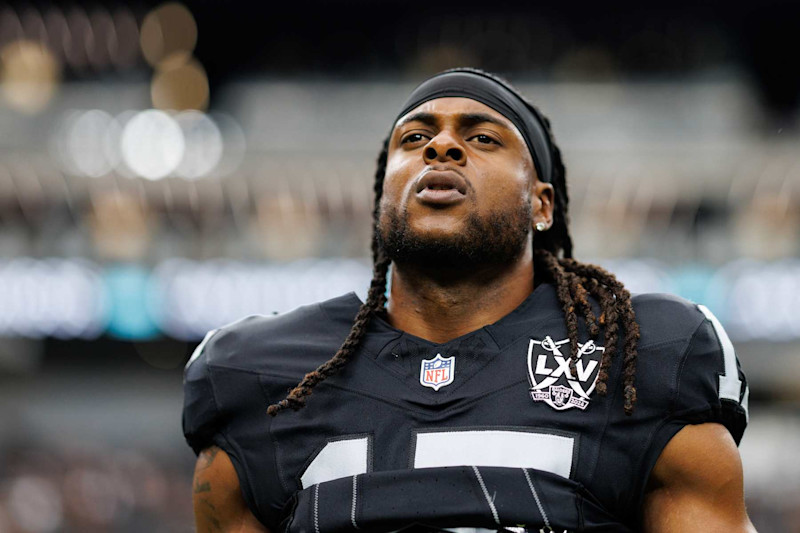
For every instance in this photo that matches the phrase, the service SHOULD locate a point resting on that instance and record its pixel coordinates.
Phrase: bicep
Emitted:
(218, 503)
(697, 484)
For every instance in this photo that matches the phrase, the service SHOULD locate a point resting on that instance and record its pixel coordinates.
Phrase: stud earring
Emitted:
(540, 226)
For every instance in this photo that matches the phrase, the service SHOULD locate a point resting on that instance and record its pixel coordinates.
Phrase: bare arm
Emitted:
(697, 484)
(218, 503)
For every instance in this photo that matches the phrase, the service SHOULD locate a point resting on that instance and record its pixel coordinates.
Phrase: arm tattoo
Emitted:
(202, 487)
(207, 457)
(203, 506)
(209, 511)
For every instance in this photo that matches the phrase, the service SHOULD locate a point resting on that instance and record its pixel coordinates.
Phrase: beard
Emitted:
(492, 241)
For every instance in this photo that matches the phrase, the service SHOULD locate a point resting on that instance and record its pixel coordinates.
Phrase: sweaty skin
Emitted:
(696, 484)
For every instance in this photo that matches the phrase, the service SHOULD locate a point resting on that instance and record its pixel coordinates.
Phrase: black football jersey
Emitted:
(488, 431)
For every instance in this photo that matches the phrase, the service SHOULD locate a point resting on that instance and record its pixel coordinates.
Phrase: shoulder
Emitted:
(240, 368)
(678, 338)
(283, 343)
(687, 363)
(665, 318)
(686, 374)
(688, 333)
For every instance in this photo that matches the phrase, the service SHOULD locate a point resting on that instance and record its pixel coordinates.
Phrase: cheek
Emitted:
(507, 188)
(399, 177)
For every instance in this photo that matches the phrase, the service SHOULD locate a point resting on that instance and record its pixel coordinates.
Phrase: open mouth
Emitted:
(442, 180)
(441, 187)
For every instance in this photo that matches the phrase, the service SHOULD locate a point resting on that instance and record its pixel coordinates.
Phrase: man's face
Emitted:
(460, 188)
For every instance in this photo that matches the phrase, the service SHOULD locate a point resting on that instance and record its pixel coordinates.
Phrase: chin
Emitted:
(465, 240)
(437, 230)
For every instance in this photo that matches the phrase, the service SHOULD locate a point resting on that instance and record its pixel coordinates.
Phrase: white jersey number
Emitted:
(513, 449)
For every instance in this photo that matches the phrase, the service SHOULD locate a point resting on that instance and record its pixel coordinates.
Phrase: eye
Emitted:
(412, 138)
(483, 139)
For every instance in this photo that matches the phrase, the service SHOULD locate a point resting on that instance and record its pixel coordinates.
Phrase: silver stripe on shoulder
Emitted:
(199, 349)
(202, 345)
(730, 386)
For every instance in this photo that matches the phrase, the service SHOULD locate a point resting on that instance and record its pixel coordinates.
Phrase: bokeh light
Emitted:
(169, 29)
(179, 84)
(120, 224)
(61, 298)
(80, 36)
(126, 52)
(33, 25)
(203, 144)
(10, 25)
(57, 31)
(152, 144)
(104, 37)
(29, 75)
(234, 144)
(92, 142)
(35, 504)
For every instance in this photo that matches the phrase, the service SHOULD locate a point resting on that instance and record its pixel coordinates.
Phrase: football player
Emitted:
(502, 385)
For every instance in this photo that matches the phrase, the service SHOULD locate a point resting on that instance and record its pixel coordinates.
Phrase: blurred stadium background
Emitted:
(168, 168)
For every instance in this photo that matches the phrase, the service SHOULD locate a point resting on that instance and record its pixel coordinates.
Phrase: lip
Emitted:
(442, 180)
(441, 187)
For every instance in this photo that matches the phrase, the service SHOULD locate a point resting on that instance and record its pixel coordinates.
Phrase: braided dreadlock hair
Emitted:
(575, 282)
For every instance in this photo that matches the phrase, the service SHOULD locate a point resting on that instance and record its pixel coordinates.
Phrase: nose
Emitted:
(442, 148)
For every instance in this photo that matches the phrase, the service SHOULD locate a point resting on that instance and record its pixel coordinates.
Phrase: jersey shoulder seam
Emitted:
(683, 360)
(255, 372)
(665, 342)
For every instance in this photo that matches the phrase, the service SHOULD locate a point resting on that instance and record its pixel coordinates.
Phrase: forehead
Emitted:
(451, 108)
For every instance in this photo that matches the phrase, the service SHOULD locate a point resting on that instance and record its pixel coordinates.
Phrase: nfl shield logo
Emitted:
(437, 372)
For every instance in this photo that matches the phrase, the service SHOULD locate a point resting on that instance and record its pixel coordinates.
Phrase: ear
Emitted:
(542, 203)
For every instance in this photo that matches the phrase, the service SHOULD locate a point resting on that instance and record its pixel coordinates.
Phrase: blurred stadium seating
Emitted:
(166, 169)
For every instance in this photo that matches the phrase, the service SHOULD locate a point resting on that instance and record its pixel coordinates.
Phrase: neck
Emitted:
(440, 306)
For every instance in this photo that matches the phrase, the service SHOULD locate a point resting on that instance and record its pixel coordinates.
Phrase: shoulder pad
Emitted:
(686, 373)
(664, 317)
(200, 414)
(687, 369)
(286, 345)
(711, 375)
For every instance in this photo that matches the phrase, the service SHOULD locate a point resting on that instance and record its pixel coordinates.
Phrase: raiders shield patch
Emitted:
(552, 381)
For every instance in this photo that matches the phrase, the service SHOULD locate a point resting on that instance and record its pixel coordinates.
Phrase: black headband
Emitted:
(497, 95)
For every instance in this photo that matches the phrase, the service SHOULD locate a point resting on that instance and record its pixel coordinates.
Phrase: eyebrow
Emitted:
(466, 119)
